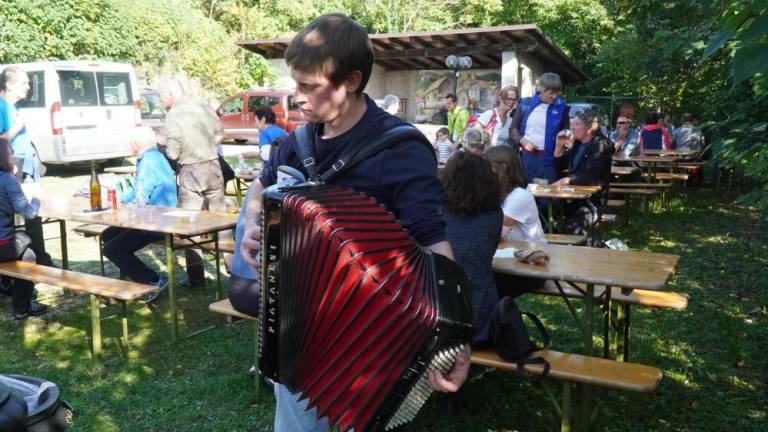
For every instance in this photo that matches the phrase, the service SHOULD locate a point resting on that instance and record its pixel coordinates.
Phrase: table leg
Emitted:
(219, 292)
(238, 193)
(171, 263)
(63, 237)
(585, 411)
(551, 216)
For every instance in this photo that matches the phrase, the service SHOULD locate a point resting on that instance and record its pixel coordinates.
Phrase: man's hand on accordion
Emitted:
(251, 245)
(452, 381)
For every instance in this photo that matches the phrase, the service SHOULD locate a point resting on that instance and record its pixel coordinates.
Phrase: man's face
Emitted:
(449, 104)
(19, 86)
(622, 123)
(549, 96)
(319, 100)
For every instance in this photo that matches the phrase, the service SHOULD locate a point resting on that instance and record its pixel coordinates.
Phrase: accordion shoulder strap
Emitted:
(304, 150)
(359, 153)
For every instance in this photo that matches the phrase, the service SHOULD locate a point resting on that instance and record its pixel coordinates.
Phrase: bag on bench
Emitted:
(511, 337)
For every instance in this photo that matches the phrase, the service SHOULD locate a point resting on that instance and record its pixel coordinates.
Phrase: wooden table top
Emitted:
(121, 170)
(563, 192)
(654, 159)
(247, 174)
(682, 153)
(621, 171)
(149, 218)
(624, 269)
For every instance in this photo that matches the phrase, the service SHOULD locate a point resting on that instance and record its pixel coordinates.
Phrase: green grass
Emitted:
(712, 354)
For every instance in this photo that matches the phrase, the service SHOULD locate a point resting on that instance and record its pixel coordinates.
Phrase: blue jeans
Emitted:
(534, 167)
(291, 415)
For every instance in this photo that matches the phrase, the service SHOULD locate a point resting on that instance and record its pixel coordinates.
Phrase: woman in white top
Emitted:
(496, 121)
(521, 216)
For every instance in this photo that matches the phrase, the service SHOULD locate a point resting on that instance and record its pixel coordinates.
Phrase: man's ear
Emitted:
(353, 81)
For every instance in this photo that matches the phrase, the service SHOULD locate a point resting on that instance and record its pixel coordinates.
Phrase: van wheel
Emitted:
(241, 141)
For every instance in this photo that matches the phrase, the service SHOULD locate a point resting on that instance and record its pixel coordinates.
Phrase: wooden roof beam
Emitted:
(445, 51)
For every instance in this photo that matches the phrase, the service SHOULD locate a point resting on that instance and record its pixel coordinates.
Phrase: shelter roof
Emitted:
(427, 50)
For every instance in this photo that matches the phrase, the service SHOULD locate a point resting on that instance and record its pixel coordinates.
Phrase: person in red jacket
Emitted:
(653, 136)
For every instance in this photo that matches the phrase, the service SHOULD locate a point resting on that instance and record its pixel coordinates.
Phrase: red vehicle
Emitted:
(236, 113)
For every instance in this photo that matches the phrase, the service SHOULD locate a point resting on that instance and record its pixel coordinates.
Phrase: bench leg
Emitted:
(565, 420)
(124, 322)
(95, 326)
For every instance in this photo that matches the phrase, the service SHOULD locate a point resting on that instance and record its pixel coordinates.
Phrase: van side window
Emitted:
(114, 88)
(234, 106)
(77, 88)
(36, 94)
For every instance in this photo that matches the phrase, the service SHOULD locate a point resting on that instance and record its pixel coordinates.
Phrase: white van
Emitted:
(80, 110)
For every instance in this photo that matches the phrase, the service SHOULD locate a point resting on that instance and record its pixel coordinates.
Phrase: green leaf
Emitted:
(671, 46)
(715, 42)
(759, 27)
(760, 127)
(749, 60)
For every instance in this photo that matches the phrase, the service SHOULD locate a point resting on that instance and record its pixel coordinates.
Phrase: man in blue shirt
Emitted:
(403, 177)
(155, 184)
(268, 130)
(14, 85)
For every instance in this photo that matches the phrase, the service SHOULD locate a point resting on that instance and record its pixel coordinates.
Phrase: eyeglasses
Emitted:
(622, 122)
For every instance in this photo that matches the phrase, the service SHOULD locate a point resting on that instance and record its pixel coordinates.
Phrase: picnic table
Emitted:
(553, 192)
(627, 270)
(187, 225)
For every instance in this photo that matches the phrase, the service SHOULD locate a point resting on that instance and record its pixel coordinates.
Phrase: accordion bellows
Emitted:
(354, 311)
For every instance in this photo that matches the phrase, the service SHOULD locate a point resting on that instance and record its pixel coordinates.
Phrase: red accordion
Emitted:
(354, 312)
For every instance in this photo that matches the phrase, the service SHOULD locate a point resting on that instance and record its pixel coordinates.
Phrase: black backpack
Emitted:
(511, 337)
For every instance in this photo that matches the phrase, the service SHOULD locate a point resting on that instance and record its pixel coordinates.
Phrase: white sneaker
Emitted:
(161, 285)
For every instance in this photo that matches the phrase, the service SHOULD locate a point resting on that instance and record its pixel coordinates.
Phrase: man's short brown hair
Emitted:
(334, 45)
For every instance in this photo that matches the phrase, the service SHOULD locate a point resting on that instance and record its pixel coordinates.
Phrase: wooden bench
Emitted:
(94, 230)
(225, 307)
(575, 369)
(640, 188)
(672, 177)
(624, 299)
(627, 193)
(96, 286)
(565, 239)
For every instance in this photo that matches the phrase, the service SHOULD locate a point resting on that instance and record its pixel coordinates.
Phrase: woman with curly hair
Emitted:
(474, 218)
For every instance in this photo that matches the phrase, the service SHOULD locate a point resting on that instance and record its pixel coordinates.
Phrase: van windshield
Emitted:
(36, 94)
(77, 88)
